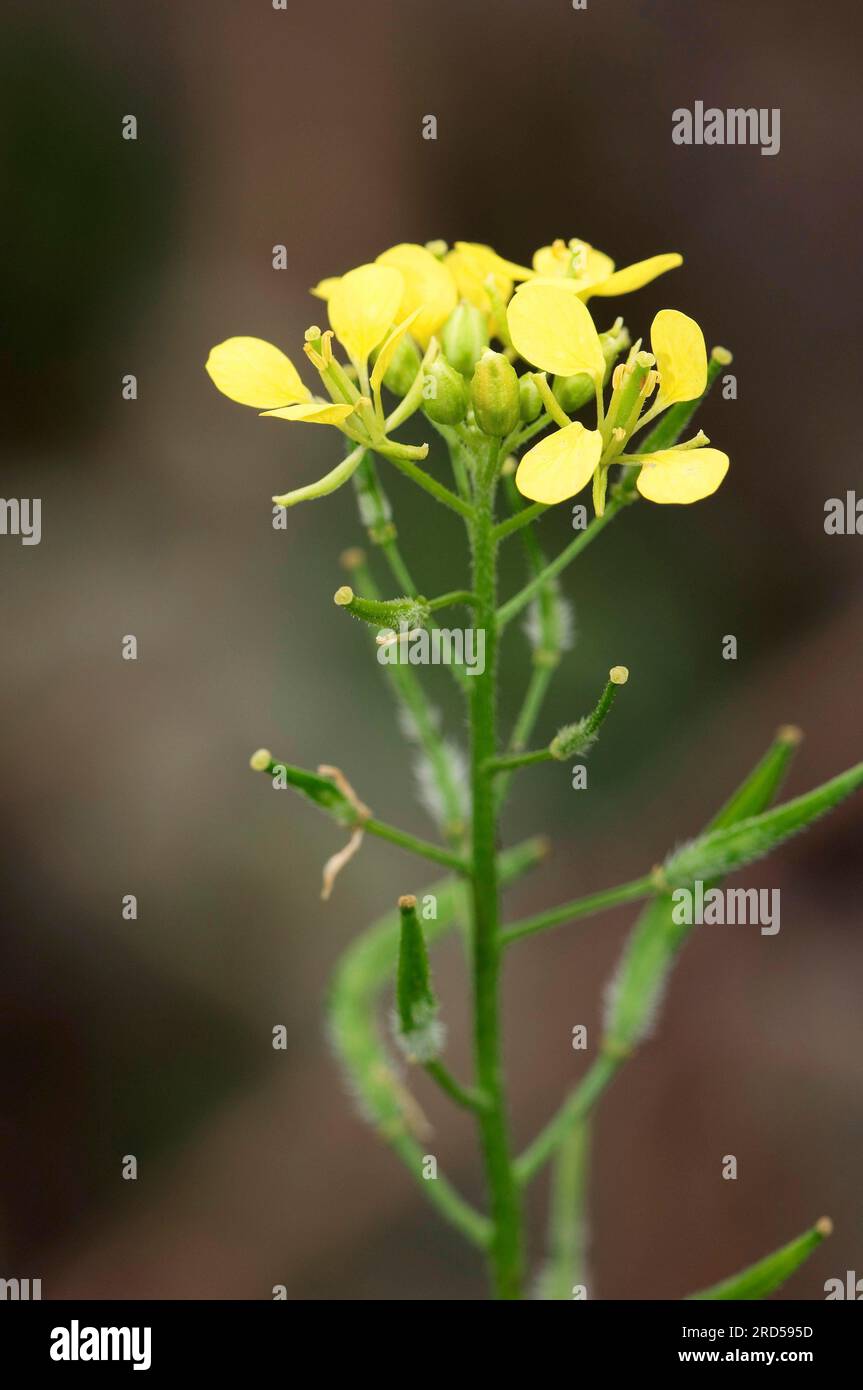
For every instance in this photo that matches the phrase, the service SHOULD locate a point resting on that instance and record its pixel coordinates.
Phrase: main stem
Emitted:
(505, 1251)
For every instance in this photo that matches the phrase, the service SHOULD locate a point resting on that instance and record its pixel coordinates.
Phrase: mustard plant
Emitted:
(534, 403)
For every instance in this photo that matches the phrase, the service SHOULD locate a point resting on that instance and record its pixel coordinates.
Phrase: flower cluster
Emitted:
(422, 320)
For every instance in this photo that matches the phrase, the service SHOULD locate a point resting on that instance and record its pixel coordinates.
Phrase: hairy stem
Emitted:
(505, 1250)
(645, 887)
(513, 606)
(567, 1227)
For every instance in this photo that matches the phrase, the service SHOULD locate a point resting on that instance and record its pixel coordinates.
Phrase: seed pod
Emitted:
(417, 1030)
(413, 612)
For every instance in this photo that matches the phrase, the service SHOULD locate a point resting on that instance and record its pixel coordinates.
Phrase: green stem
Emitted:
(513, 760)
(431, 485)
(410, 691)
(567, 1226)
(513, 606)
(462, 596)
(435, 853)
(505, 1251)
(548, 649)
(644, 887)
(462, 1095)
(398, 568)
(521, 518)
(573, 1112)
(364, 972)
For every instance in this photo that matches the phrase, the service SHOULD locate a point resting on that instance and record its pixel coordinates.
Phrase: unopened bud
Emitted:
(400, 375)
(444, 394)
(575, 391)
(495, 394)
(529, 399)
(464, 338)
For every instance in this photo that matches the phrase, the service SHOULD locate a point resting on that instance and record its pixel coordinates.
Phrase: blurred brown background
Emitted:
(154, 1037)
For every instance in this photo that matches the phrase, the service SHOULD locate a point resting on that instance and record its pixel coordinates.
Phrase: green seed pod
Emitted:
(401, 373)
(529, 399)
(417, 1029)
(383, 612)
(444, 394)
(575, 391)
(495, 394)
(464, 337)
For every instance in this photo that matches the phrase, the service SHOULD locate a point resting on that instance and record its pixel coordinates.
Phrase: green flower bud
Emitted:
(401, 373)
(495, 394)
(444, 394)
(529, 399)
(575, 391)
(464, 337)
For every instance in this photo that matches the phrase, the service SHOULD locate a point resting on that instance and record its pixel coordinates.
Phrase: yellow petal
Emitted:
(428, 286)
(633, 277)
(681, 357)
(556, 261)
(387, 352)
(551, 328)
(484, 260)
(364, 306)
(681, 475)
(315, 413)
(470, 285)
(253, 372)
(324, 288)
(560, 465)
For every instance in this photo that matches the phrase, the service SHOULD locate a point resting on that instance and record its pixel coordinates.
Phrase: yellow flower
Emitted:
(426, 289)
(552, 329)
(363, 307)
(254, 372)
(471, 264)
(681, 475)
(590, 272)
(560, 465)
(681, 357)
(429, 289)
